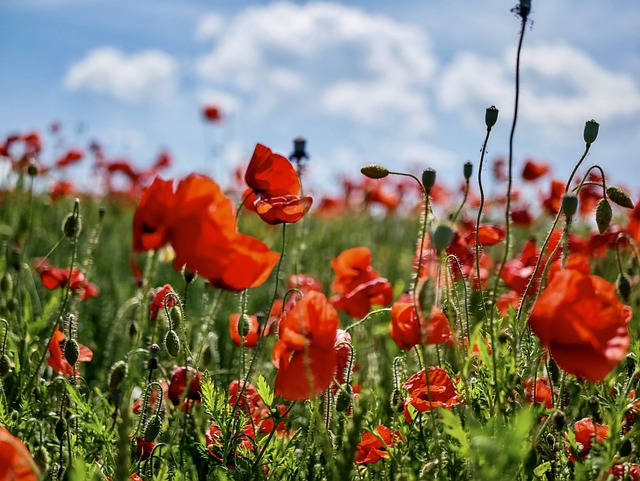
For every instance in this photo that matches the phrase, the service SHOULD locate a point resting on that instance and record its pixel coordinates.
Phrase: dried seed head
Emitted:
(591, 128)
(491, 116)
(620, 197)
(603, 215)
(374, 171)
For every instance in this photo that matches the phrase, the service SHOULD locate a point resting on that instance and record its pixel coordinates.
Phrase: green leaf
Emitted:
(453, 427)
(541, 469)
(264, 390)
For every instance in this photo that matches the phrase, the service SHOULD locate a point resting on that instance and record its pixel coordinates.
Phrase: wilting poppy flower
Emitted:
(425, 395)
(542, 391)
(488, 235)
(16, 464)
(252, 330)
(534, 170)
(274, 188)
(153, 215)
(58, 361)
(408, 331)
(358, 284)
(586, 431)
(372, 448)
(580, 320)
(178, 385)
(305, 354)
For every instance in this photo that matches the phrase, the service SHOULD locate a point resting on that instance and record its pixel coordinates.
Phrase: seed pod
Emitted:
(116, 375)
(428, 178)
(491, 116)
(624, 286)
(71, 351)
(153, 428)
(603, 215)
(172, 343)
(620, 197)
(344, 398)
(374, 171)
(591, 128)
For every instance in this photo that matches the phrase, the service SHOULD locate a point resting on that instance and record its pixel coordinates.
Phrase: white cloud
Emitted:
(336, 60)
(209, 26)
(561, 88)
(149, 74)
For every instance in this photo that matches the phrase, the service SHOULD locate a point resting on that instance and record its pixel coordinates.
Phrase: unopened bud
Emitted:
(491, 116)
(591, 131)
(428, 178)
(569, 205)
(5, 366)
(559, 419)
(116, 375)
(525, 8)
(153, 428)
(396, 401)
(61, 428)
(6, 283)
(442, 236)
(374, 171)
(72, 226)
(593, 404)
(71, 351)
(243, 326)
(344, 398)
(624, 286)
(32, 170)
(603, 215)
(620, 197)
(175, 314)
(467, 170)
(172, 343)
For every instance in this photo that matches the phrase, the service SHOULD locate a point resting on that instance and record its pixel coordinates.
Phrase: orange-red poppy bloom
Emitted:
(178, 385)
(580, 320)
(553, 201)
(70, 157)
(626, 471)
(58, 361)
(251, 330)
(305, 354)
(60, 189)
(152, 217)
(274, 188)
(408, 331)
(212, 113)
(488, 235)
(16, 464)
(374, 447)
(430, 393)
(534, 170)
(158, 301)
(586, 431)
(542, 391)
(358, 284)
(58, 277)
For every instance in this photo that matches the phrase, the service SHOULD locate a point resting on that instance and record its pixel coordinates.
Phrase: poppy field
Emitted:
(177, 329)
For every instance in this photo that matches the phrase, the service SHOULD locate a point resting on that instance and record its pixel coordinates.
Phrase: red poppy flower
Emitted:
(521, 217)
(56, 358)
(375, 193)
(16, 464)
(305, 354)
(372, 448)
(427, 394)
(407, 331)
(586, 431)
(343, 353)
(178, 385)
(274, 188)
(143, 448)
(212, 113)
(626, 471)
(70, 157)
(252, 333)
(553, 201)
(152, 217)
(60, 189)
(57, 277)
(358, 284)
(135, 477)
(542, 391)
(305, 283)
(488, 235)
(534, 170)
(159, 296)
(583, 324)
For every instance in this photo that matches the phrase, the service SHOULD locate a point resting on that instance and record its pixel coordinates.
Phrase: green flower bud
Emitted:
(624, 286)
(175, 314)
(32, 170)
(569, 205)
(620, 197)
(344, 398)
(591, 131)
(559, 419)
(71, 226)
(374, 171)
(71, 351)
(428, 179)
(116, 375)
(491, 116)
(627, 448)
(6, 283)
(603, 215)
(442, 236)
(467, 170)
(172, 343)
(5, 366)
(593, 404)
(243, 326)
(61, 428)
(153, 428)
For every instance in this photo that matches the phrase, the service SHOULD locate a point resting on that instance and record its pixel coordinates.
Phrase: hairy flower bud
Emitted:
(153, 428)
(374, 171)
(116, 375)
(344, 398)
(172, 343)
(603, 215)
(491, 116)
(591, 131)
(71, 351)
(72, 226)
(624, 286)
(569, 205)
(620, 197)
(442, 236)
(428, 178)
(467, 170)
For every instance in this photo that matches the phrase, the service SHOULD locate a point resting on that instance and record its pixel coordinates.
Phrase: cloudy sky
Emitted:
(404, 84)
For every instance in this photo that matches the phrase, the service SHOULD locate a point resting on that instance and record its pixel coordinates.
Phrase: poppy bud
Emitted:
(154, 348)
(591, 131)
(299, 149)
(396, 401)
(133, 330)
(42, 458)
(71, 351)
(61, 428)
(428, 179)
(189, 276)
(559, 419)
(467, 170)
(442, 236)
(32, 170)
(624, 286)
(5, 366)
(525, 8)
(175, 314)
(206, 356)
(153, 428)
(243, 326)
(569, 205)
(344, 398)
(427, 296)
(554, 372)
(603, 215)
(152, 364)
(627, 448)
(172, 342)
(374, 171)
(6, 284)
(491, 116)
(504, 336)
(72, 226)
(116, 375)
(593, 404)
(620, 197)
(631, 364)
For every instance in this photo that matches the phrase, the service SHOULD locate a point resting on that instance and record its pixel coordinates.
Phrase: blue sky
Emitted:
(404, 84)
